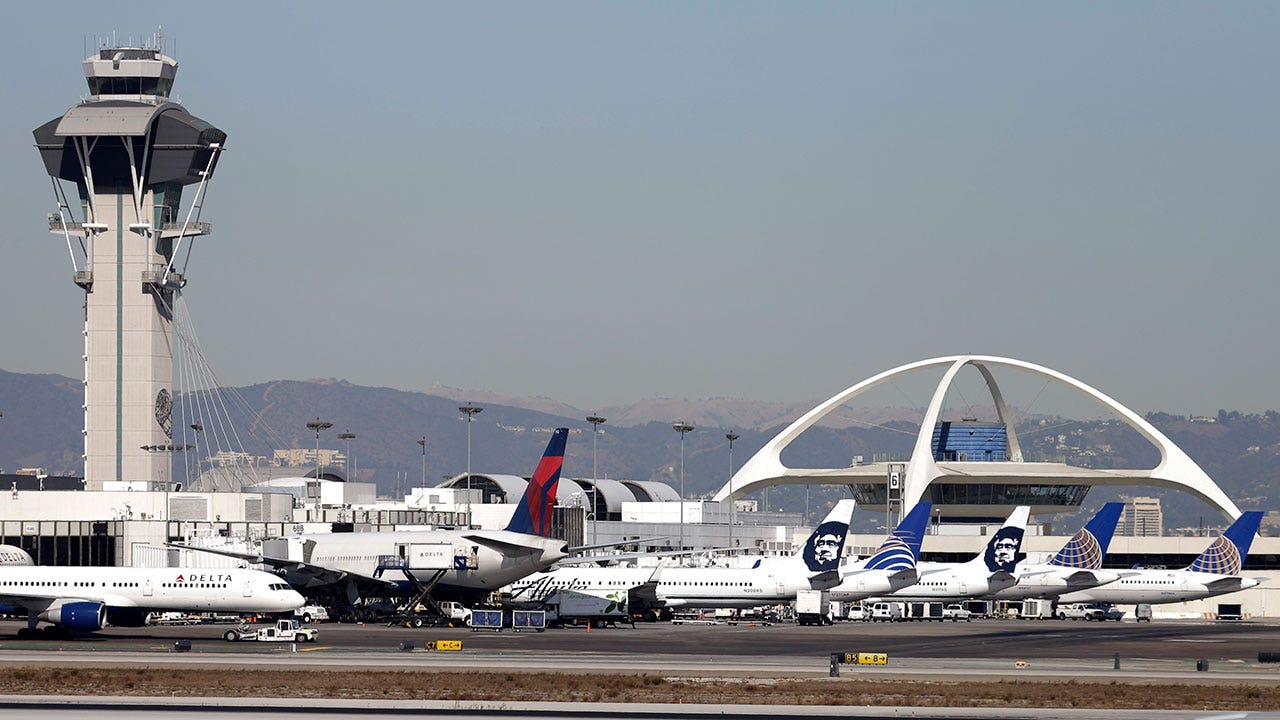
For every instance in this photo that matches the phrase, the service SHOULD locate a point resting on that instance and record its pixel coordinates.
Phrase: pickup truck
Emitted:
(282, 631)
(956, 612)
(1089, 611)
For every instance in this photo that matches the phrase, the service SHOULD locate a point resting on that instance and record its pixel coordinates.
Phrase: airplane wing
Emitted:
(1082, 577)
(638, 541)
(824, 580)
(301, 573)
(39, 599)
(907, 574)
(1001, 576)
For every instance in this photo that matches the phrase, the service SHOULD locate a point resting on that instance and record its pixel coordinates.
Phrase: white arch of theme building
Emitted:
(1175, 469)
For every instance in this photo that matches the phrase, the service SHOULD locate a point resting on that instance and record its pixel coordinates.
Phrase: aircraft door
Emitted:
(248, 588)
(147, 588)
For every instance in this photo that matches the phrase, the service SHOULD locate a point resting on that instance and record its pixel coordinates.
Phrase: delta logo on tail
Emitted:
(823, 548)
(1085, 550)
(902, 549)
(533, 515)
(1227, 553)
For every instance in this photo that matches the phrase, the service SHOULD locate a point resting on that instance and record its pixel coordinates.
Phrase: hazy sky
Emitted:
(606, 202)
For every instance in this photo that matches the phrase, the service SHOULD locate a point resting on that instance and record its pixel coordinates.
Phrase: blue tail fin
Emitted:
(821, 552)
(1086, 548)
(901, 550)
(533, 514)
(1227, 553)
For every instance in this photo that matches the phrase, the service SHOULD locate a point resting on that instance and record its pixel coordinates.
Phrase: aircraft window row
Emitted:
(707, 584)
(53, 583)
(195, 585)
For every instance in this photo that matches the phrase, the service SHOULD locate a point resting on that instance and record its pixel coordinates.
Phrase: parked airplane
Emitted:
(90, 598)
(770, 580)
(1077, 566)
(456, 564)
(10, 555)
(893, 566)
(1215, 572)
(990, 571)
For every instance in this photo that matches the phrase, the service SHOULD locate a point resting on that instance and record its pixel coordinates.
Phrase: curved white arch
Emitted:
(765, 468)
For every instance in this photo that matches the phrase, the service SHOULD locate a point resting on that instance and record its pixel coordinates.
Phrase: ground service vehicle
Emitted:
(813, 607)
(886, 612)
(311, 613)
(1089, 611)
(282, 631)
(956, 612)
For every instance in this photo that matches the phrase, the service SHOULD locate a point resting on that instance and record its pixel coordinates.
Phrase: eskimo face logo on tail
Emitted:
(822, 551)
(1002, 551)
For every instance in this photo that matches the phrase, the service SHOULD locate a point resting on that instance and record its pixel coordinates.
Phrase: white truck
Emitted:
(573, 607)
(311, 613)
(813, 607)
(282, 631)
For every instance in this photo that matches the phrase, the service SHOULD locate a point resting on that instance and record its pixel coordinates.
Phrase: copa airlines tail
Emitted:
(901, 550)
(533, 514)
(1227, 553)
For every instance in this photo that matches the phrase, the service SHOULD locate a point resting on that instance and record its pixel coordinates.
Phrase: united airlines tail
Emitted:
(901, 551)
(1001, 553)
(1086, 548)
(533, 515)
(821, 552)
(1227, 553)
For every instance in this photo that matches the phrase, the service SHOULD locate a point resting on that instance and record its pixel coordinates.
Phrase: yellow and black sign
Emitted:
(864, 658)
(444, 645)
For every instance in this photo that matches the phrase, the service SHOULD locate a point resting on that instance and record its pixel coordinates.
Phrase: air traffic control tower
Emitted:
(129, 152)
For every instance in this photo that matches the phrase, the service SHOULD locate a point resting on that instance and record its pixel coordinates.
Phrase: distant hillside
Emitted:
(42, 422)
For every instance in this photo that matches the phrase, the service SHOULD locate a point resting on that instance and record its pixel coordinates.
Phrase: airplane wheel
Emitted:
(230, 636)
(417, 622)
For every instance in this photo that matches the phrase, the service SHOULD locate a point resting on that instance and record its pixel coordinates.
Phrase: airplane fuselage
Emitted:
(942, 581)
(1051, 581)
(1161, 586)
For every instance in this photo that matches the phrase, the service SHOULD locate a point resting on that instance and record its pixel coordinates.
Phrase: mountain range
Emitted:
(42, 420)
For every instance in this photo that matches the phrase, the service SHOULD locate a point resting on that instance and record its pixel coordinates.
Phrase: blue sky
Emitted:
(605, 202)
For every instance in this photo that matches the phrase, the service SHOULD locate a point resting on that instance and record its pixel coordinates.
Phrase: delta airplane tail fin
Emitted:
(901, 550)
(1086, 548)
(1001, 553)
(533, 514)
(821, 552)
(1227, 553)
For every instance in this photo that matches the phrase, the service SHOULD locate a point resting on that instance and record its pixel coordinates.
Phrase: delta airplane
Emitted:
(989, 572)
(10, 555)
(89, 598)
(815, 566)
(893, 566)
(457, 564)
(1077, 566)
(1215, 572)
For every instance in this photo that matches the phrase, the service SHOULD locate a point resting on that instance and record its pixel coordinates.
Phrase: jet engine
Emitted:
(76, 615)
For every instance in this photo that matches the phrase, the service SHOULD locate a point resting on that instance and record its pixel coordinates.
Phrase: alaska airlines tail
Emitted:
(1001, 553)
(1086, 548)
(533, 514)
(901, 550)
(821, 552)
(1227, 553)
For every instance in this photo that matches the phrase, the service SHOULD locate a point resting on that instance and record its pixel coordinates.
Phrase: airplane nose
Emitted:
(293, 600)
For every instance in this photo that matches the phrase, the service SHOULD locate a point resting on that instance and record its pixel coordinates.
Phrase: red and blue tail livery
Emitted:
(533, 515)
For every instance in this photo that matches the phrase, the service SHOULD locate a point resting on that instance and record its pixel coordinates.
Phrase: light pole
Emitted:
(317, 425)
(423, 443)
(682, 427)
(733, 504)
(596, 421)
(348, 436)
(470, 411)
